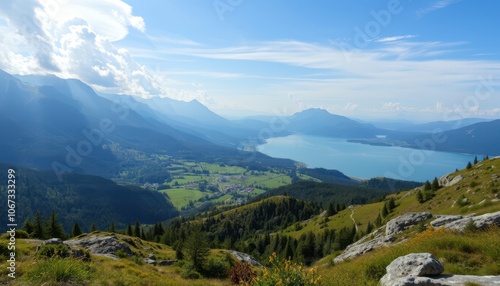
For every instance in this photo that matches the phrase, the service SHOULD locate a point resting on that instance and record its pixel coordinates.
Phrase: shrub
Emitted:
(241, 273)
(53, 250)
(121, 253)
(57, 271)
(189, 272)
(216, 269)
(286, 273)
(4, 250)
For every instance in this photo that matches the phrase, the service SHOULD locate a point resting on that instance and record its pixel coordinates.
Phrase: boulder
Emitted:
(450, 180)
(360, 248)
(443, 280)
(243, 257)
(403, 222)
(415, 265)
(441, 220)
(423, 269)
(101, 245)
(149, 261)
(480, 221)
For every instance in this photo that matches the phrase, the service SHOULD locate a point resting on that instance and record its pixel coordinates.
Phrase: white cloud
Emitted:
(436, 5)
(394, 38)
(72, 39)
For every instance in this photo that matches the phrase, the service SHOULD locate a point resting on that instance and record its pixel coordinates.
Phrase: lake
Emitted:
(365, 161)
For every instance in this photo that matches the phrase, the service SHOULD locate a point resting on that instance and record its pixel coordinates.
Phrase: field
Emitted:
(194, 184)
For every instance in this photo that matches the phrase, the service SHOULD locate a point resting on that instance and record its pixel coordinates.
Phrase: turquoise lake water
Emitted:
(365, 161)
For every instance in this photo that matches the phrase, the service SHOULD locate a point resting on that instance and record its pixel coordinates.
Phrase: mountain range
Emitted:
(64, 125)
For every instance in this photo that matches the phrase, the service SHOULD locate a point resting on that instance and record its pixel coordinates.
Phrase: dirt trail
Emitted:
(353, 220)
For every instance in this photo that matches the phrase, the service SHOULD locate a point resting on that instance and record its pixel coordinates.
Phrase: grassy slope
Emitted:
(102, 270)
(469, 253)
(479, 197)
(466, 254)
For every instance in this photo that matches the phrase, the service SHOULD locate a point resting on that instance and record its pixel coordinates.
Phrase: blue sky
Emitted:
(415, 60)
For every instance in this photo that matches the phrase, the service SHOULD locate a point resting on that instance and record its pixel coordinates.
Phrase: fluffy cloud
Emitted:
(75, 40)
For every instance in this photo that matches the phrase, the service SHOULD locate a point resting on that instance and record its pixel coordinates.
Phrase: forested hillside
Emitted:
(325, 193)
(84, 199)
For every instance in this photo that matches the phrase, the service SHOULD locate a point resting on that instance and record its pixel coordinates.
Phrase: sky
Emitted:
(369, 59)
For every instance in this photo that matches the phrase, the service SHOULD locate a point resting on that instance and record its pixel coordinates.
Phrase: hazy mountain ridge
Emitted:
(64, 122)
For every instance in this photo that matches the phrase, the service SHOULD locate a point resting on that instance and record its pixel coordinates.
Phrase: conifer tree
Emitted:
(427, 186)
(76, 231)
(93, 228)
(435, 184)
(469, 165)
(55, 228)
(112, 227)
(369, 228)
(38, 229)
(137, 229)
(475, 160)
(378, 221)
(28, 226)
(331, 210)
(385, 212)
(420, 197)
(129, 230)
(197, 247)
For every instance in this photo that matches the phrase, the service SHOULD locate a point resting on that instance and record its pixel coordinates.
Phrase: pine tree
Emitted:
(137, 229)
(427, 186)
(129, 230)
(420, 197)
(143, 235)
(28, 226)
(112, 227)
(369, 228)
(435, 184)
(385, 212)
(475, 160)
(93, 228)
(331, 210)
(76, 231)
(469, 165)
(378, 221)
(391, 204)
(197, 247)
(38, 228)
(55, 228)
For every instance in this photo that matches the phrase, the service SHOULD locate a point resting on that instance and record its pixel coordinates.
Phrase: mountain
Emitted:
(63, 125)
(193, 116)
(479, 138)
(84, 199)
(320, 122)
(440, 126)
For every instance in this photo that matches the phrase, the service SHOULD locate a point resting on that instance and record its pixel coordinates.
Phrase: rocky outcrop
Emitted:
(360, 248)
(71, 252)
(243, 257)
(450, 180)
(424, 269)
(404, 222)
(101, 245)
(151, 259)
(442, 220)
(480, 221)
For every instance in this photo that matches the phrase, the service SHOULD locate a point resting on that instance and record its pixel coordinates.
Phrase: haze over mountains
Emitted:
(63, 124)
